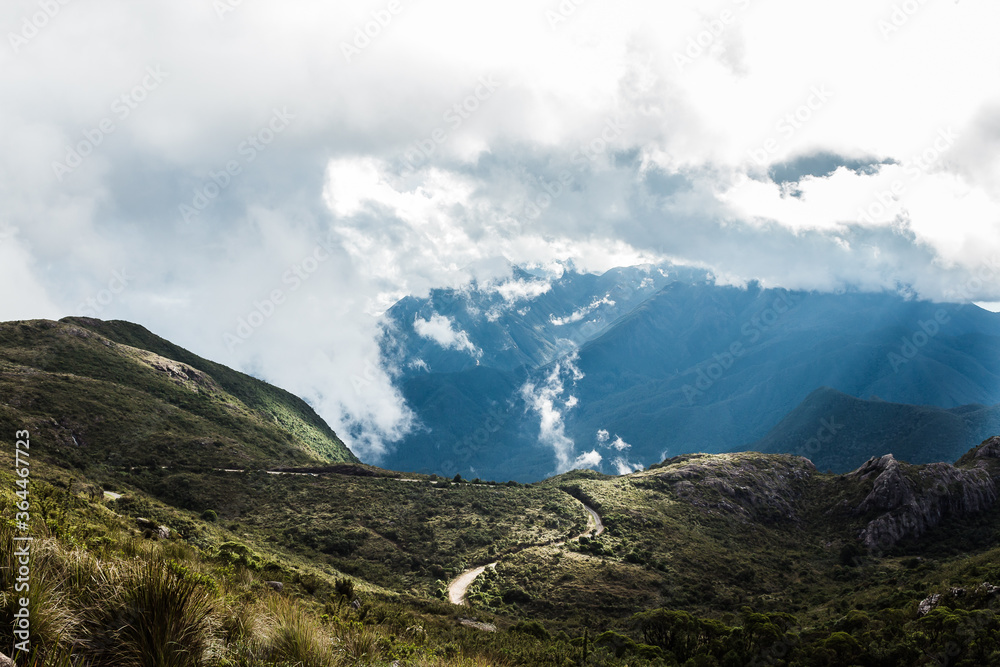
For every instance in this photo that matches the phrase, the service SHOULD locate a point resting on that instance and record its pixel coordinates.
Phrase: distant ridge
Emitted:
(839, 432)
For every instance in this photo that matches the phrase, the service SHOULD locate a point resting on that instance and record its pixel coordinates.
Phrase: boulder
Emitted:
(910, 500)
(276, 586)
(928, 603)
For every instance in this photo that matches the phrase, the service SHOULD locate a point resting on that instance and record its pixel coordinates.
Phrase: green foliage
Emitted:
(239, 554)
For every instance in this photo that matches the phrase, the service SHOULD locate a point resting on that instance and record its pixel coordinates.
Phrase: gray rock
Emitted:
(928, 603)
(987, 589)
(911, 500)
(990, 449)
(275, 585)
(163, 532)
(751, 486)
(6, 662)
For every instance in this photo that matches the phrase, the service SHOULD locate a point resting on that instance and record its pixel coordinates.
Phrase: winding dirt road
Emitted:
(459, 586)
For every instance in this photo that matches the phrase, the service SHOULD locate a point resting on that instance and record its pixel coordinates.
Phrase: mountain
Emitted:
(113, 392)
(840, 432)
(685, 365)
(527, 320)
(149, 546)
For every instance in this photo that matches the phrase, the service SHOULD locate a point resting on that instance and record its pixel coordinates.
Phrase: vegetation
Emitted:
(188, 559)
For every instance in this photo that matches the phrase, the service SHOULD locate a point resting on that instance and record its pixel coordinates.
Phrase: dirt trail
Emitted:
(459, 586)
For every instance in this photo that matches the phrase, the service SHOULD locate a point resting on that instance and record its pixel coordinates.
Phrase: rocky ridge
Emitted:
(910, 500)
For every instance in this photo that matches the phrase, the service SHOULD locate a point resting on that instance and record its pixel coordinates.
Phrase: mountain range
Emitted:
(183, 513)
(538, 375)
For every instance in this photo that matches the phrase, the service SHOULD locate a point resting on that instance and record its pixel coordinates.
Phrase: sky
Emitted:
(259, 181)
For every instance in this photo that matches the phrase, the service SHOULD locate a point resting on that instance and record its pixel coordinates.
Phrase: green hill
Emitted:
(187, 515)
(113, 393)
(839, 432)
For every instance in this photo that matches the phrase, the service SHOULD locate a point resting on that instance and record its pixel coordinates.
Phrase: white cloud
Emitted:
(591, 459)
(513, 291)
(578, 315)
(23, 296)
(674, 180)
(550, 400)
(623, 466)
(441, 330)
(604, 440)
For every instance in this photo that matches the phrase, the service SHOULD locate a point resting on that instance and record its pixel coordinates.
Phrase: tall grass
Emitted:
(156, 618)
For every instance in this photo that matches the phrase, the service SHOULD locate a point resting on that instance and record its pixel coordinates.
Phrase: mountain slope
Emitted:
(840, 432)
(695, 366)
(700, 552)
(115, 393)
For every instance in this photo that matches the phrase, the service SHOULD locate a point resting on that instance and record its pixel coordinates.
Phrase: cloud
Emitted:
(623, 466)
(441, 330)
(550, 400)
(513, 291)
(24, 297)
(620, 463)
(591, 459)
(593, 146)
(581, 313)
(604, 440)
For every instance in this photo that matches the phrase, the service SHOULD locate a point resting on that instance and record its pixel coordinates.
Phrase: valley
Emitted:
(164, 483)
(665, 361)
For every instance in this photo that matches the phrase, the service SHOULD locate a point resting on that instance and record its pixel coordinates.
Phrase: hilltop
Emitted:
(113, 393)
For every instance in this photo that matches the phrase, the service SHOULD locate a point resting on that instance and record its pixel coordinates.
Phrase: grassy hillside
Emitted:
(111, 393)
(166, 535)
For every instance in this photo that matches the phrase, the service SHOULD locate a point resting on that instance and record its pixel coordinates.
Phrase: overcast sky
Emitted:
(180, 164)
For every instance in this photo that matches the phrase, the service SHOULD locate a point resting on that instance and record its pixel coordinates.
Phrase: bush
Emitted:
(157, 619)
(210, 515)
(239, 554)
(533, 628)
(344, 588)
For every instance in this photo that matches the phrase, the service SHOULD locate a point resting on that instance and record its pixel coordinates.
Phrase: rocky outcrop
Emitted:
(980, 595)
(910, 500)
(152, 529)
(751, 486)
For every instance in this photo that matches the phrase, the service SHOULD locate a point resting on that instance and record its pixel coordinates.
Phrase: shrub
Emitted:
(297, 637)
(344, 588)
(156, 618)
(210, 515)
